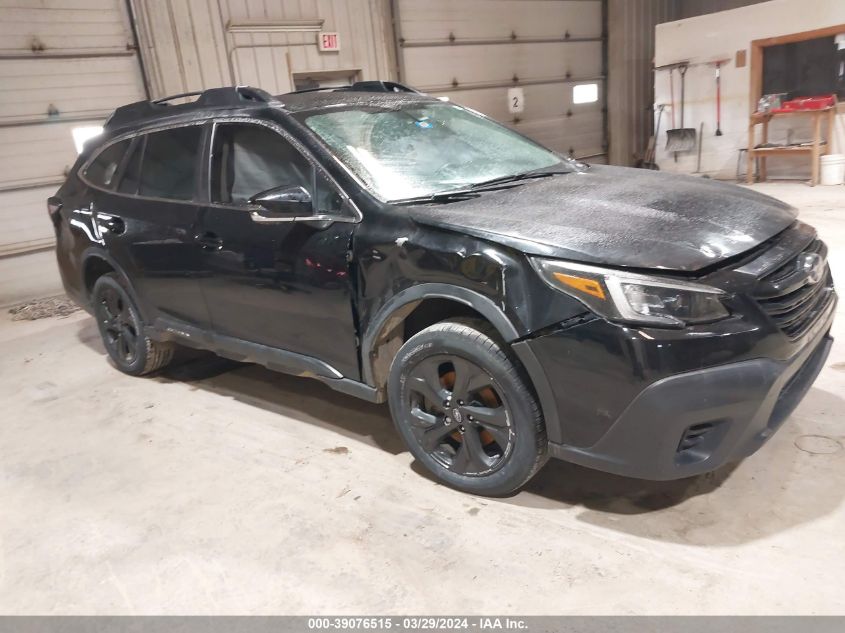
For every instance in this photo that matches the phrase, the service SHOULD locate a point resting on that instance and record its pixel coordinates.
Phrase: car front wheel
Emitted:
(465, 408)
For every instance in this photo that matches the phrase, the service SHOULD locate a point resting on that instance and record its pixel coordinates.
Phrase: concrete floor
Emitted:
(220, 488)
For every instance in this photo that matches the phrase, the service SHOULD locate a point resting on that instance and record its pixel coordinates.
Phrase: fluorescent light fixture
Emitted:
(282, 26)
(585, 93)
(83, 133)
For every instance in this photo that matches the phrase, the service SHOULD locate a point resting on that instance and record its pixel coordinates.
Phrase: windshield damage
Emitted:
(433, 152)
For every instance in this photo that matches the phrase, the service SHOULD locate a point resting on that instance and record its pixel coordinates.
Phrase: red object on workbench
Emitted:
(807, 103)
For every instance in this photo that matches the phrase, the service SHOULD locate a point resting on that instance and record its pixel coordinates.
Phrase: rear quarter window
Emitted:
(102, 171)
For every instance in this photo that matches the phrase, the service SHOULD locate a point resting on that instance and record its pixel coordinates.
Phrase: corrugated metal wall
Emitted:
(474, 50)
(631, 80)
(63, 64)
(196, 44)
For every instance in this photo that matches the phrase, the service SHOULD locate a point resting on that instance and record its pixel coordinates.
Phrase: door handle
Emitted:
(209, 241)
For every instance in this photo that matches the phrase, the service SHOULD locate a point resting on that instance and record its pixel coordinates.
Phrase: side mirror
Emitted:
(287, 201)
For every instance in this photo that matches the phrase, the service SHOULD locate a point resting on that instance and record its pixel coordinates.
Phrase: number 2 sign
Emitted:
(516, 100)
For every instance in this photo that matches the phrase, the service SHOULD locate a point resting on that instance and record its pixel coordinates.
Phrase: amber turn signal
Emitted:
(587, 286)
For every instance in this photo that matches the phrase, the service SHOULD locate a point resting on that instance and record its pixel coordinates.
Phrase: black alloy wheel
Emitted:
(465, 407)
(119, 327)
(122, 330)
(458, 415)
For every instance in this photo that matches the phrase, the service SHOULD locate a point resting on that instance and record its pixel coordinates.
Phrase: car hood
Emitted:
(619, 217)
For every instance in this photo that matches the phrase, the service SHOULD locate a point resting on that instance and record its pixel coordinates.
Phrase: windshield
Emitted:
(421, 150)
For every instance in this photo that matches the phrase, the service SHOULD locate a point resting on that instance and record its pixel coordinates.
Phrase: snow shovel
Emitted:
(681, 139)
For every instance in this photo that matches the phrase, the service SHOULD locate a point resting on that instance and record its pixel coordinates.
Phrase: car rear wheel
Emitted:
(122, 331)
(465, 409)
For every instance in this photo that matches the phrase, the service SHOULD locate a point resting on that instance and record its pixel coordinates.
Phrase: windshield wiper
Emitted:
(474, 190)
(442, 196)
(529, 175)
(454, 195)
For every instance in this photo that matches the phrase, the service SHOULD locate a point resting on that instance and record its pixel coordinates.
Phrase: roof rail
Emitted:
(382, 86)
(181, 94)
(228, 97)
(363, 86)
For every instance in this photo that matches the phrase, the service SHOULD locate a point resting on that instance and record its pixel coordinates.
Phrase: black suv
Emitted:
(510, 304)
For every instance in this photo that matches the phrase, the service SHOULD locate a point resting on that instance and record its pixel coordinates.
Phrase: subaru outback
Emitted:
(509, 303)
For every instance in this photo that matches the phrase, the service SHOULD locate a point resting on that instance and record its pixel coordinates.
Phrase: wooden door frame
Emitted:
(757, 47)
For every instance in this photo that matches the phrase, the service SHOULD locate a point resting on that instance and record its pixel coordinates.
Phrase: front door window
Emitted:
(248, 159)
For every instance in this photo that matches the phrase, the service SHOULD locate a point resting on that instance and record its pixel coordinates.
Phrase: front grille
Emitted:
(790, 299)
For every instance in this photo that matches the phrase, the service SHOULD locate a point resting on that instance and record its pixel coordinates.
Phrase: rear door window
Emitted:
(102, 171)
(169, 165)
(132, 172)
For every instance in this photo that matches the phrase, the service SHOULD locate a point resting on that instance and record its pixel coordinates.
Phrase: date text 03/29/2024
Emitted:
(417, 623)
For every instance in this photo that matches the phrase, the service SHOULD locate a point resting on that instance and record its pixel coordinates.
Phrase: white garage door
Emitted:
(474, 51)
(63, 64)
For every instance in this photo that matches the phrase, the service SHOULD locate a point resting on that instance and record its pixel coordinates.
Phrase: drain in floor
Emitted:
(818, 444)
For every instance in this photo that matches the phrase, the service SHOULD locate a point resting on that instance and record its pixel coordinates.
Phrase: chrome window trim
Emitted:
(253, 209)
(256, 217)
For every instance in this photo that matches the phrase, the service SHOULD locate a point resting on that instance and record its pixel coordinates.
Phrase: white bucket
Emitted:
(833, 169)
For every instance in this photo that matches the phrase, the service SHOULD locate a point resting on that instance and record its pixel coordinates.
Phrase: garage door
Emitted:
(64, 64)
(477, 51)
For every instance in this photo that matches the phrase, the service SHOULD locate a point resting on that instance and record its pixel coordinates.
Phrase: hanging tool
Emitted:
(648, 159)
(719, 98)
(681, 139)
(672, 101)
(672, 93)
(700, 143)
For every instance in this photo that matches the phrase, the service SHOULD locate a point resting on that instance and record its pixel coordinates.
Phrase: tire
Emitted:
(122, 330)
(466, 410)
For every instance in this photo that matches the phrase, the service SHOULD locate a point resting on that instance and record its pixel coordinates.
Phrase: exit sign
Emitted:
(328, 41)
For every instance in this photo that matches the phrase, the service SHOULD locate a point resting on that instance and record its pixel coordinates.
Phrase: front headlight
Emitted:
(633, 298)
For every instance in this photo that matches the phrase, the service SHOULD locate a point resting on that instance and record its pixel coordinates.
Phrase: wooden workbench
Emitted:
(814, 150)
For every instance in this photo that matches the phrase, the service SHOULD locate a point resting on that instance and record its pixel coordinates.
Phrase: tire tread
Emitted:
(159, 356)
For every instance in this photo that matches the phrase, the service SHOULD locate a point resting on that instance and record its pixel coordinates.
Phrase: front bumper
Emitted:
(679, 425)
